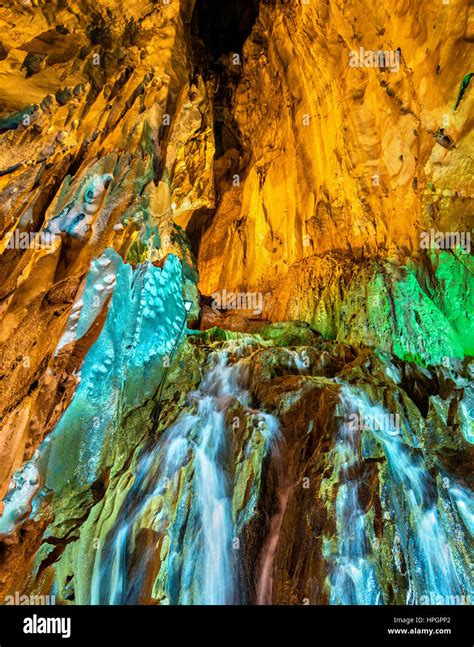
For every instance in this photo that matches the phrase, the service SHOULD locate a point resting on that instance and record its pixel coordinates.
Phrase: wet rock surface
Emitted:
(300, 472)
(232, 372)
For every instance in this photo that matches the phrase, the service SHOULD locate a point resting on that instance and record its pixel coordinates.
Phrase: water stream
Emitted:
(435, 567)
(202, 560)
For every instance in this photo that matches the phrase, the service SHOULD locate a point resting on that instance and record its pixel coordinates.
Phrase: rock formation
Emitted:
(236, 301)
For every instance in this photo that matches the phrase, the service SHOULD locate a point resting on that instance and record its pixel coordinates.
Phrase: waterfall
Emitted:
(194, 516)
(202, 562)
(296, 362)
(434, 562)
(353, 579)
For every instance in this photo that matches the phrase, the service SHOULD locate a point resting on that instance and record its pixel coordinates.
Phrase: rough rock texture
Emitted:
(291, 458)
(82, 167)
(148, 161)
(341, 166)
(89, 147)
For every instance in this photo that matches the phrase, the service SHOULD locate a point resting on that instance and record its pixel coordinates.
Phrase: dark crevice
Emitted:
(223, 26)
(219, 30)
(220, 27)
(197, 225)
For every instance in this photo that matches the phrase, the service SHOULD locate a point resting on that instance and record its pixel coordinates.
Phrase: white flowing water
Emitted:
(353, 578)
(202, 562)
(433, 563)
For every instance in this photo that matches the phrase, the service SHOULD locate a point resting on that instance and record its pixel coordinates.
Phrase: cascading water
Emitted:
(138, 332)
(353, 579)
(205, 513)
(202, 562)
(436, 567)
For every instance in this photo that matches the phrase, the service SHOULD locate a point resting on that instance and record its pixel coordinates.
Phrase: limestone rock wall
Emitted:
(136, 166)
(340, 160)
(88, 96)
